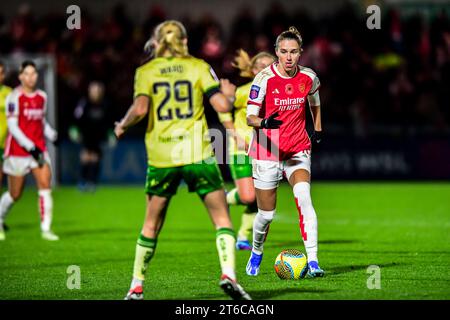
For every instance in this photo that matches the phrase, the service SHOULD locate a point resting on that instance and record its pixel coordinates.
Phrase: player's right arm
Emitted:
(137, 111)
(254, 103)
(141, 104)
(12, 114)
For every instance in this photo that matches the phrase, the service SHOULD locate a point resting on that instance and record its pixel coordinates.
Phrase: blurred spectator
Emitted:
(275, 21)
(212, 44)
(92, 127)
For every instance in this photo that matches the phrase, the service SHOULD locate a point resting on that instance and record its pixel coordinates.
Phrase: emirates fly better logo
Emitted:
(289, 103)
(34, 114)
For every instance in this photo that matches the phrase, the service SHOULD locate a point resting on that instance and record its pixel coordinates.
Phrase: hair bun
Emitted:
(169, 36)
(294, 30)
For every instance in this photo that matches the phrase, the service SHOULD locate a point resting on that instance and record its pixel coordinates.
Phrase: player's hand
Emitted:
(38, 155)
(240, 143)
(316, 138)
(271, 122)
(56, 140)
(228, 89)
(118, 130)
(51, 134)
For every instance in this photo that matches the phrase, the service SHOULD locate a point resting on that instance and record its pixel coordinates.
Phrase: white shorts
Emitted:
(21, 166)
(267, 174)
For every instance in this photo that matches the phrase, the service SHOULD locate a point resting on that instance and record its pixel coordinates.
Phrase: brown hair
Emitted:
(293, 34)
(243, 62)
(169, 35)
(27, 63)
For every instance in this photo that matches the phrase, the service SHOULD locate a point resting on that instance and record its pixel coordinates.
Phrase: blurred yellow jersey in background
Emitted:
(177, 132)
(240, 119)
(4, 91)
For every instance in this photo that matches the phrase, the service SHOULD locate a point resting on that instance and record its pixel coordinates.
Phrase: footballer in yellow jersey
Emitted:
(238, 117)
(4, 92)
(177, 128)
(169, 90)
(240, 164)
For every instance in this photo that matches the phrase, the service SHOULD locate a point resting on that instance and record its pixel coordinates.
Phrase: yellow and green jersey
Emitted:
(177, 132)
(4, 91)
(240, 119)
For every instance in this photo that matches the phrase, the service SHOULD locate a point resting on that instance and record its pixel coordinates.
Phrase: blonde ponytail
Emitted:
(169, 37)
(243, 62)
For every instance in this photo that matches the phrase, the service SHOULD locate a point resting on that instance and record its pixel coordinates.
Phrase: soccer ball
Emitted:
(291, 264)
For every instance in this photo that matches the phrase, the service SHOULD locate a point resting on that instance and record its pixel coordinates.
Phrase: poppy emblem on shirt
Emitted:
(301, 87)
(289, 89)
(254, 92)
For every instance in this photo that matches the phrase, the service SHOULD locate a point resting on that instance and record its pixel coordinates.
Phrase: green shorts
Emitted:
(240, 166)
(203, 178)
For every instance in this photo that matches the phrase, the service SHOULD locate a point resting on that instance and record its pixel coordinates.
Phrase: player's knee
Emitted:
(15, 195)
(266, 215)
(44, 185)
(247, 197)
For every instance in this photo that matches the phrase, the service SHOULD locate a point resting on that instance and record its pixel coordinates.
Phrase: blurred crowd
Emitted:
(390, 81)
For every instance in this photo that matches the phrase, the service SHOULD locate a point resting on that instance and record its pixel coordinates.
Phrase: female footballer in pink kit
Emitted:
(25, 148)
(277, 110)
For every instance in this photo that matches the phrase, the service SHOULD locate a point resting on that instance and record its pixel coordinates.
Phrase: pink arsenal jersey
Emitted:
(30, 110)
(272, 92)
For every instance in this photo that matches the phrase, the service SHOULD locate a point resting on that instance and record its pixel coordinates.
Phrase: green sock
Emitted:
(233, 197)
(225, 242)
(251, 208)
(145, 249)
(246, 225)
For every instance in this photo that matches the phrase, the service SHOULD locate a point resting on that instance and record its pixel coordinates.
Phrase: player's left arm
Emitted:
(314, 106)
(315, 112)
(49, 132)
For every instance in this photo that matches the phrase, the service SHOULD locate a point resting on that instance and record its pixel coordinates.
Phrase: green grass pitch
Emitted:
(404, 228)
